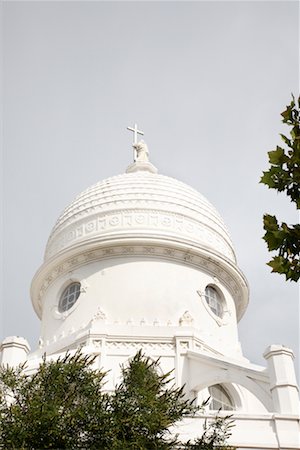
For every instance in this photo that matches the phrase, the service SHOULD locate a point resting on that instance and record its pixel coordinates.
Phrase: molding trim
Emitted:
(227, 272)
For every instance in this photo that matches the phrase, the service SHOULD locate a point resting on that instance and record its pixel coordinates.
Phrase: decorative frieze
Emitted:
(97, 343)
(145, 346)
(184, 345)
(140, 221)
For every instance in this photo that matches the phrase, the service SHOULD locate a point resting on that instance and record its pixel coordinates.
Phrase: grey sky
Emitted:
(206, 81)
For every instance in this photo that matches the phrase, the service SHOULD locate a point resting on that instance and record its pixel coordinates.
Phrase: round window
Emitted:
(214, 300)
(69, 297)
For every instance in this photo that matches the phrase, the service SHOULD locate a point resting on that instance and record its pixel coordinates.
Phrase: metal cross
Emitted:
(136, 132)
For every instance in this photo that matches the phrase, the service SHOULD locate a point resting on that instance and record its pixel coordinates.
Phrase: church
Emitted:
(143, 261)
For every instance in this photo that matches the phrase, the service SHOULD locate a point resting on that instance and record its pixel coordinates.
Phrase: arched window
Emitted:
(69, 297)
(214, 300)
(220, 399)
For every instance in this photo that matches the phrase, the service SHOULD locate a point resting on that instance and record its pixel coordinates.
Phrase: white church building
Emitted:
(143, 261)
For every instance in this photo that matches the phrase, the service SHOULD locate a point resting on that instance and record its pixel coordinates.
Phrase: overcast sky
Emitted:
(206, 81)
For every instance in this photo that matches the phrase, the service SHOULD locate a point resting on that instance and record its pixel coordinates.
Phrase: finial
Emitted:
(141, 152)
(135, 137)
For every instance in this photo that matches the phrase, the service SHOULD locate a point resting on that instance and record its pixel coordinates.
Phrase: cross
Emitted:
(136, 132)
(135, 136)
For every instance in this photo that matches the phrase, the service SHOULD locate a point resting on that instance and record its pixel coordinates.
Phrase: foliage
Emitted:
(284, 176)
(215, 435)
(58, 407)
(63, 406)
(144, 406)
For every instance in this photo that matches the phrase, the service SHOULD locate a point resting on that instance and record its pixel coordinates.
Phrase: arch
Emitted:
(221, 394)
(233, 390)
(229, 377)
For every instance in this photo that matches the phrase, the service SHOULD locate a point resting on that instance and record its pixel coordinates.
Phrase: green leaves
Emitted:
(145, 405)
(215, 435)
(278, 156)
(284, 173)
(285, 239)
(54, 408)
(274, 235)
(284, 176)
(63, 406)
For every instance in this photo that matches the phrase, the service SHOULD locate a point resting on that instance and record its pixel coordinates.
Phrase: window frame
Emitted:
(74, 278)
(225, 317)
(218, 402)
(214, 301)
(65, 296)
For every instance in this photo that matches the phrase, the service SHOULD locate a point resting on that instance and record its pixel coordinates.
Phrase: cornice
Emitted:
(113, 338)
(202, 259)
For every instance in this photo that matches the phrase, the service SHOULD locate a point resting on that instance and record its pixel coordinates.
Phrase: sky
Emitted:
(205, 81)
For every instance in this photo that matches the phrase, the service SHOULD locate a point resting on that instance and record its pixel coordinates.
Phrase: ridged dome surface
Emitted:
(141, 205)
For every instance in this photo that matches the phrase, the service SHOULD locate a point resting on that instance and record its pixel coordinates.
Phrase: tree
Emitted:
(60, 406)
(63, 406)
(144, 407)
(215, 435)
(284, 176)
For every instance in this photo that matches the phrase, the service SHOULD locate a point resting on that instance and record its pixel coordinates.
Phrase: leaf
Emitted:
(287, 114)
(270, 222)
(286, 140)
(278, 264)
(267, 179)
(277, 156)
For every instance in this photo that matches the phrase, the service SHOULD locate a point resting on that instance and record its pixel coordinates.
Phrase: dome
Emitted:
(143, 216)
(141, 204)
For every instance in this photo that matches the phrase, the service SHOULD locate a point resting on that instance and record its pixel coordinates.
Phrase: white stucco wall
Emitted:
(135, 290)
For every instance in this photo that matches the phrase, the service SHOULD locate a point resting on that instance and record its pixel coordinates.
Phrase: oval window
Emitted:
(69, 297)
(214, 300)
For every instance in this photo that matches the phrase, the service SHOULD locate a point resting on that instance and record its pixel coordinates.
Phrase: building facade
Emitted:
(143, 261)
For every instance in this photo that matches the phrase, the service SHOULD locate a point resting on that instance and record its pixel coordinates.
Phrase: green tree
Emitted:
(145, 406)
(284, 176)
(215, 435)
(63, 406)
(59, 406)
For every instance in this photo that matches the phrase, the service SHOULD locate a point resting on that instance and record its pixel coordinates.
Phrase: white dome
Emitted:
(141, 204)
(140, 216)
